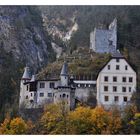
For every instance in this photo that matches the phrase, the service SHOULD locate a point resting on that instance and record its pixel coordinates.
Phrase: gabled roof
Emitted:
(116, 55)
(64, 70)
(26, 74)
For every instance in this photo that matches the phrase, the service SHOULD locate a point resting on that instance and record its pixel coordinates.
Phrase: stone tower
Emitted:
(25, 78)
(104, 40)
(64, 75)
(65, 93)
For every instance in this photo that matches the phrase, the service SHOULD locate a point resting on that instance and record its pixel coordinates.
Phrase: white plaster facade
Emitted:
(84, 88)
(37, 93)
(116, 83)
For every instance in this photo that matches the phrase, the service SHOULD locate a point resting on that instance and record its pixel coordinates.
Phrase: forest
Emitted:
(57, 119)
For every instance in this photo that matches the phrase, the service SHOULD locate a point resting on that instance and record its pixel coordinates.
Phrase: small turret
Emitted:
(25, 78)
(64, 75)
(26, 74)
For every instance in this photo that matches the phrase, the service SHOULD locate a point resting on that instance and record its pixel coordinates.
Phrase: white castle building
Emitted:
(35, 93)
(116, 83)
(104, 40)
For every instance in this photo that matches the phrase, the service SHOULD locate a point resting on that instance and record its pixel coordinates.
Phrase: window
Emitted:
(64, 95)
(106, 78)
(49, 94)
(105, 88)
(117, 67)
(60, 96)
(129, 89)
(131, 79)
(67, 96)
(123, 89)
(41, 95)
(126, 67)
(108, 67)
(31, 94)
(114, 89)
(114, 79)
(123, 79)
(27, 97)
(125, 99)
(116, 98)
(52, 85)
(117, 60)
(106, 98)
(27, 87)
(110, 42)
(42, 85)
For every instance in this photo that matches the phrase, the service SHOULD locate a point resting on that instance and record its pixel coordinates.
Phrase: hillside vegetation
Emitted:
(81, 63)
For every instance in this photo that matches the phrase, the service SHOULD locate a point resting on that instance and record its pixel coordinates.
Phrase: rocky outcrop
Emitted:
(22, 34)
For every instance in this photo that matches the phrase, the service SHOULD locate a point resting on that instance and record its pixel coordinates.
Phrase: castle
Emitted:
(35, 93)
(115, 84)
(104, 40)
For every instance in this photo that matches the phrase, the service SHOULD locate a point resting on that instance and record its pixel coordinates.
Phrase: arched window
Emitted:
(27, 97)
(64, 95)
(60, 96)
(31, 94)
(67, 96)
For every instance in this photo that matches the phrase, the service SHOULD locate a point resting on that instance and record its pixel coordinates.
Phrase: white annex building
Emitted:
(116, 83)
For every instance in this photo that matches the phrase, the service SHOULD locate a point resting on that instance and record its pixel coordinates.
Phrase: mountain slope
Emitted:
(22, 34)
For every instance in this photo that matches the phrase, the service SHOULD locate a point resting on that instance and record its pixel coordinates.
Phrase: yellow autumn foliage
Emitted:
(18, 126)
(15, 126)
(80, 122)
